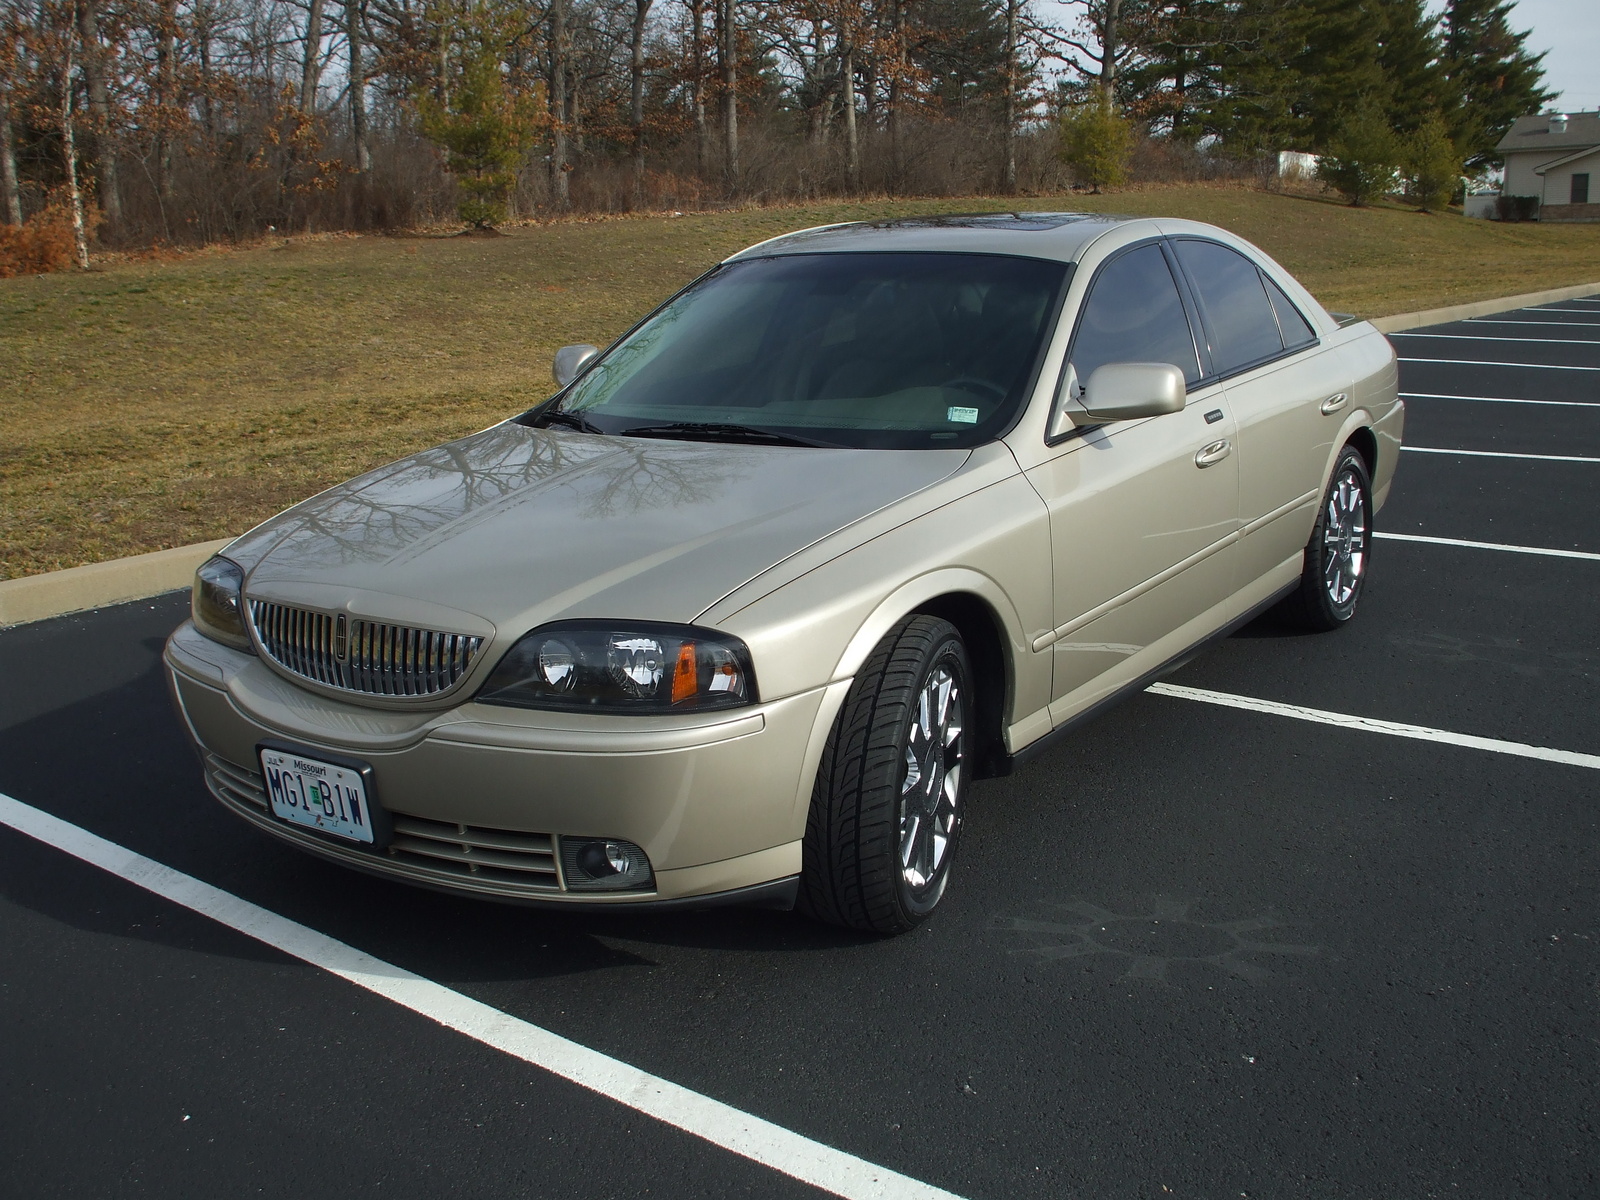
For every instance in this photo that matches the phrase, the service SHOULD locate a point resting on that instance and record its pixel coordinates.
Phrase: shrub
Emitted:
(43, 243)
(1361, 158)
(1096, 142)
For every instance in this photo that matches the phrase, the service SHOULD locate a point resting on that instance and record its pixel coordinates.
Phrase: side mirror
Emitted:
(570, 360)
(1122, 391)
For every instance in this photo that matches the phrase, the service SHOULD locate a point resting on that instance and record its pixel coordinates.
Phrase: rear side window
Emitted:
(1134, 314)
(1243, 325)
(1296, 331)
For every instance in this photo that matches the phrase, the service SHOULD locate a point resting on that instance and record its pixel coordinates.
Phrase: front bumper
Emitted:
(480, 795)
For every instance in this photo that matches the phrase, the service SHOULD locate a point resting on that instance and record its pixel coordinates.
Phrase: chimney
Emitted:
(1558, 122)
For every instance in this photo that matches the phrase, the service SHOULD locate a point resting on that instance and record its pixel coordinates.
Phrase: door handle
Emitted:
(1334, 403)
(1208, 456)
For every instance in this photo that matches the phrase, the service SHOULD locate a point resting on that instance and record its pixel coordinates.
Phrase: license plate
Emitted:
(318, 794)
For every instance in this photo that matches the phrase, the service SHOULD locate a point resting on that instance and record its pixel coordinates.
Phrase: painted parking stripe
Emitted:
(1439, 541)
(1484, 337)
(1420, 733)
(1501, 400)
(1500, 321)
(1499, 454)
(1478, 362)
(1588, 312)
(750, 1137)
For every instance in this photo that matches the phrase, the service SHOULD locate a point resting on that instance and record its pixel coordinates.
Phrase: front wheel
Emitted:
(887, 804)
(1340, 549)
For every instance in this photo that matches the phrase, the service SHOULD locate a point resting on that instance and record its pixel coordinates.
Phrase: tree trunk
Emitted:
(166, 101)
(69, 153)
(697, 84)
(311, 64)
(641, 10)
(94, 77)
(852, 144)
(897, 66)
(8, 167)
(353, 12)
(1008, 170)
(728, 62)
(559, 192)
(1108, 49)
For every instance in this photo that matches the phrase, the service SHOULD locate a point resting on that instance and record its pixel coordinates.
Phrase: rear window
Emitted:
(1244, 327)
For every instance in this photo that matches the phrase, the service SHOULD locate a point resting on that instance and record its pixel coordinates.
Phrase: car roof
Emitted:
(1061, 236)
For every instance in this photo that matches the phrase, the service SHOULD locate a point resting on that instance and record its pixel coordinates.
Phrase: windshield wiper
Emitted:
(696, 431)
(571, 420)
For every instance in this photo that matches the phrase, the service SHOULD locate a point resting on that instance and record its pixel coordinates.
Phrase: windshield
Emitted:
(879, 350)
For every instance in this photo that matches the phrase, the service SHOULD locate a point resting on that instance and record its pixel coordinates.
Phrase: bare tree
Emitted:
(311, 62)
(353, 15)
(95, 55)
(728, 66)
(641, 13)
(8, 165)
(560, 50)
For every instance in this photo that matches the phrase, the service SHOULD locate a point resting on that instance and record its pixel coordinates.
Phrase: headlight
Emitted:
(218, 603)
(623, 668)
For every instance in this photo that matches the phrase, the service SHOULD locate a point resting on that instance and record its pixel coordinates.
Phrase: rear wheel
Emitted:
(1340, 549)
(887, 804)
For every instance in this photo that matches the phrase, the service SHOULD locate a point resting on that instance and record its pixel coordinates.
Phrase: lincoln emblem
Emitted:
(340, 637)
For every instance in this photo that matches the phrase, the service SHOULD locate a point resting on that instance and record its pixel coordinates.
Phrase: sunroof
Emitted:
(1019, 221)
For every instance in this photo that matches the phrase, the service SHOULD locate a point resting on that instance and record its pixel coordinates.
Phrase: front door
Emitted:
(1142, 512)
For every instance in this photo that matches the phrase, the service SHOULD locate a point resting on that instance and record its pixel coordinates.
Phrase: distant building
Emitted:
(1555, 157)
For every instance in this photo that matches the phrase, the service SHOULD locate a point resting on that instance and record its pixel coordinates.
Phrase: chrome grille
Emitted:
(362, 656)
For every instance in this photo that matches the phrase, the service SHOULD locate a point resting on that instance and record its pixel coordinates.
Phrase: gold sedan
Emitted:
(737, 616)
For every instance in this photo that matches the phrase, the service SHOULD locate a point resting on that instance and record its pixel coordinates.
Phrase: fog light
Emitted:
(604, 865)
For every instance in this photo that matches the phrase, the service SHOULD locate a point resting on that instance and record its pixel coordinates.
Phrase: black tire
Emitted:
(1340, 550)
(869, 800)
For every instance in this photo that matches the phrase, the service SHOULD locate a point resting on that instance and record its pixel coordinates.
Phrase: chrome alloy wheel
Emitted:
(931, 793)
(1345, 534)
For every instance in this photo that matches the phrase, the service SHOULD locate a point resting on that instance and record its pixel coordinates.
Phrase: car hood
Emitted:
(516, 526)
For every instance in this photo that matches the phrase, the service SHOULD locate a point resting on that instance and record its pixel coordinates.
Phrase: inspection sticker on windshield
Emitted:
(961, 416)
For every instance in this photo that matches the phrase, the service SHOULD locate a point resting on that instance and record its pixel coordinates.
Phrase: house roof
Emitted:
(1533, 133)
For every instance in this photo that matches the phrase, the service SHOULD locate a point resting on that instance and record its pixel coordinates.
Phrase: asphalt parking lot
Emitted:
(1197, 950)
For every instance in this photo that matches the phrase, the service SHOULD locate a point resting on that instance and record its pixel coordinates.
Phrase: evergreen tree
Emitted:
(483, 124)
(1410, 54)
(1095, 142)
(1495, 77)
(1433, 163)
(1361, 156)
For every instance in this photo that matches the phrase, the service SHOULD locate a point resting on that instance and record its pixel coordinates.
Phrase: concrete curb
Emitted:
(1480, 308)
(55, 593)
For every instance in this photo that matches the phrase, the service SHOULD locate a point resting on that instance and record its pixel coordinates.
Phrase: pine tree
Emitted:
(1361, 156)
(1433, 163)
(484, 126)
(1410, 54)
(1095, 142)
(1493, 73)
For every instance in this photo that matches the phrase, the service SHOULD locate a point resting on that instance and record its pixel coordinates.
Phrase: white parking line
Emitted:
(1478, 362)
(1499, 454)
(1485, 337)
(1588, 312)
(1438, 541)
(750, 1137)
(1372, 725)
(1498, 321)
(1500, 400)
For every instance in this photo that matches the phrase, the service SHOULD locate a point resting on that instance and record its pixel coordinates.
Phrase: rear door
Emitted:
(1284, 388)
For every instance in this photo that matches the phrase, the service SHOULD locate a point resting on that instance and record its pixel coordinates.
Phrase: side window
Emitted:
(1133, 314)
(1295, 329)
(1241, 317)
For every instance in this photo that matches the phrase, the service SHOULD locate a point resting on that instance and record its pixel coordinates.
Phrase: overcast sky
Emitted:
(1570, 31)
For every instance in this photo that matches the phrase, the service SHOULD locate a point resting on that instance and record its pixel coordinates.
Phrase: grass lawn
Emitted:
(155, 404)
